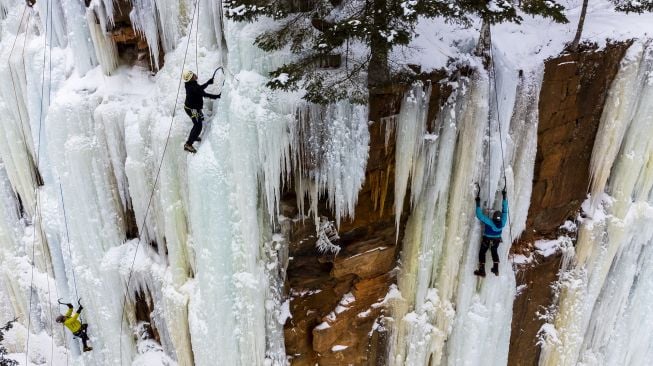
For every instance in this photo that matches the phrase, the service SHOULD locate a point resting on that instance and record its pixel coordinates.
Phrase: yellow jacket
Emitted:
(71, 322)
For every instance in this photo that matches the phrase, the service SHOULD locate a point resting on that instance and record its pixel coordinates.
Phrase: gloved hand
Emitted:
(69, 305)
(80, 308)
(478, 201)
(503, 192)
(211, 81)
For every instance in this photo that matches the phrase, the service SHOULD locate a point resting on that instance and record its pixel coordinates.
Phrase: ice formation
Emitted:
(191, 239)
(98, 201)
(444, 308)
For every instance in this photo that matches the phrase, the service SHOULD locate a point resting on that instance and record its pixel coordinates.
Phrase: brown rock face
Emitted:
(571, 103)
(573, 93)
(534, 294)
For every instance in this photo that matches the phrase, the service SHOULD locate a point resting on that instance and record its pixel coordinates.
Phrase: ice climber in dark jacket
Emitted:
(193, 105)
(491, 234)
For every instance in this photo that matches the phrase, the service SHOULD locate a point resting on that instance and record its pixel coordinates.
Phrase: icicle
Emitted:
(79, 36)
(144, 20)
(327, 234)
(105, 48)
(620, 106)
(410, 130)
(330, 149)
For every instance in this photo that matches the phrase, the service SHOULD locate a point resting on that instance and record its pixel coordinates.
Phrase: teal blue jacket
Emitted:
(491, 229)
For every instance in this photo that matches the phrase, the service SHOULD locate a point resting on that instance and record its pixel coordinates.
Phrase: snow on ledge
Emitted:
(547, 248)
(338, 348)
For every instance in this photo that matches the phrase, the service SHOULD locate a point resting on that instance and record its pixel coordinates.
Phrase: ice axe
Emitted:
(216, 70)
(478, 192)
(225, 71)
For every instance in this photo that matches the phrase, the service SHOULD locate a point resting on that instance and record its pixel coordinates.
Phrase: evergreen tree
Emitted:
(634, 6)
(342, 47)
(627, 6)
(3, 352)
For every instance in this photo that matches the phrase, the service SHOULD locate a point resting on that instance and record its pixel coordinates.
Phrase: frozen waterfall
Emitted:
(207, 272)
(180, 259)
(444, 308)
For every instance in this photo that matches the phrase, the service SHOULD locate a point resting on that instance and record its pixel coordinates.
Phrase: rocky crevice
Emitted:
(335, 301)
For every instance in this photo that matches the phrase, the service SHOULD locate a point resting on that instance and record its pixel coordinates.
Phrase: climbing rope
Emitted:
(156, 179)
(496, 100)
(489, 160)
(197, 32)
(56, 289)
(37, 211)
(13, 83)
(70, 252)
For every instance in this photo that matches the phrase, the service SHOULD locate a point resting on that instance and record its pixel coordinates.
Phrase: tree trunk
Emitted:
(378, 72)
(573, 47)
(483, 45)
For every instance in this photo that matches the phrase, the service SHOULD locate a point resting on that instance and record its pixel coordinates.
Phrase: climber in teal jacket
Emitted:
(491, 234)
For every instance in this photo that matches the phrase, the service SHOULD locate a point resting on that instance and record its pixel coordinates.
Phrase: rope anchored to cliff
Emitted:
(156, 179)
(493, 226)
(37, 209)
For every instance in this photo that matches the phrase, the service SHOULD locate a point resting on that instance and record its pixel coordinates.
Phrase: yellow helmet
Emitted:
(187, 76)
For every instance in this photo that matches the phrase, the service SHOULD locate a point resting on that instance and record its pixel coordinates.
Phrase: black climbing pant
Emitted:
(197, 117)
(82, 335)
(493, 245)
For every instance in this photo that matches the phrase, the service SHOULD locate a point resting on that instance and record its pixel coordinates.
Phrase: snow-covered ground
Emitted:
(528, 44)
(208, 260)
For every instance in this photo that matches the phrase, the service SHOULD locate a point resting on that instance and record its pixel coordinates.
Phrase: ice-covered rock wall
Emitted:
(183, 242)
(179, 258)
(603, 316)
(444, 309)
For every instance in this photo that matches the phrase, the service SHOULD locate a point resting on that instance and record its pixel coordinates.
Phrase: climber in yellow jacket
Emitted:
(71, 321)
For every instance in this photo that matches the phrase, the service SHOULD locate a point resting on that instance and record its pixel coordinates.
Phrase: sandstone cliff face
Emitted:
(571, 102)
(573, 93)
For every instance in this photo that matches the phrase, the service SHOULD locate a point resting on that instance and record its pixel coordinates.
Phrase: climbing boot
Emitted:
(189, 148)
(495, 268)
(86, 349)
(481, 270)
